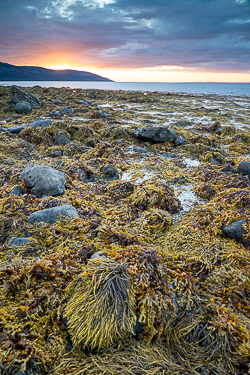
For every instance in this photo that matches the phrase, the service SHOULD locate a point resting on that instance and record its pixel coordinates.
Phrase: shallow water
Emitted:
(185, 87)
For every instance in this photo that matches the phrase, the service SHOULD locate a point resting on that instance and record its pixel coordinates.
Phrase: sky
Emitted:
(131, 40)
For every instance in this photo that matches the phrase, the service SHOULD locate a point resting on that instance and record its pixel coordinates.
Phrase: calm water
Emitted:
(234, 89)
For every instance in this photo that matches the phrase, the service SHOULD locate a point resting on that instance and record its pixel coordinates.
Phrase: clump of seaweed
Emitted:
(101, 304)
(155, 195)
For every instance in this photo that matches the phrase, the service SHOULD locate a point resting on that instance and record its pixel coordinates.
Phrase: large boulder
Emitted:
(19, 95)
(44, 180)
(244, 168)
(155, 134)
(51, 215)
(23, 108)
(235, 231)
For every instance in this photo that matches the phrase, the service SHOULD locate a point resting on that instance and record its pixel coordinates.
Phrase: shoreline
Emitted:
(142, 274)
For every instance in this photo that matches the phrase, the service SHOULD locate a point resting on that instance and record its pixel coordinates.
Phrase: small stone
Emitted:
(235, 231)
(140, 149)
(58, 102)
(215, 161)
(16, 191)
(44, 180)
(51, 215)
(2, 129)
(67, 110)
(92, 95)
(23, 108)
(179, 140)
(41, 123)
(16, 129)
(61, 139)
(86, 102)
(103, 113)
(9, 120)
(18, 241)
(57, 114)
(171, 106)
(244, 168)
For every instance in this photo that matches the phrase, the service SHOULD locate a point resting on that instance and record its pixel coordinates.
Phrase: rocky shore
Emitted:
(124, 233)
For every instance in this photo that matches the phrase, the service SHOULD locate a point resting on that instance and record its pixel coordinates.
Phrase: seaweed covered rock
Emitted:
(155, 195)
(101, 304)
(108, 171)
(61, 138)
(19, 95)
(19, 241)
(82, 134)
(44, 180)
(155, 134)
(51, 215)
(236, 231)
(244, 168)
(16, 129)
(5, 227)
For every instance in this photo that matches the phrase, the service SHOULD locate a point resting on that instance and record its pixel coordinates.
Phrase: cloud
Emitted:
(197, 34)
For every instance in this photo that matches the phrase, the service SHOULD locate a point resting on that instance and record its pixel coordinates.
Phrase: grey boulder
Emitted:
(16, 129)
(244, 168)
(67, 110)
(235, 231)
(109, 171)
(19, 95)
(40, 123)
(61, 139)
(51, 215)
(23, 108)
(155, 134)
(18, 241)
(44, 180)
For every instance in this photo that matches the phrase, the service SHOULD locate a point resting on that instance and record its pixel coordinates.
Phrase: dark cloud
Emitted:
(206, 34)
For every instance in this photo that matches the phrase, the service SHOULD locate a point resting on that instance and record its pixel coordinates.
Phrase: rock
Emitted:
(86, 102)
(23, 108)
(44, 180)
(140, 149)
(92, 95)
(2, 129)
(61, 139)
(235, 232)
(19, 95)
(98, 254)
(73, 148)
(179, 140)
(67, 110)
(104, 114)
(171, 106)
(244, 168)
(57, 114)
(215, 161)
(51, 215)
(58, 102)
(18, 241)
(228, 169)
(155, 134)
(9, 120)
(16, 129)
(109, 171)
(16, 191)
(41, 123)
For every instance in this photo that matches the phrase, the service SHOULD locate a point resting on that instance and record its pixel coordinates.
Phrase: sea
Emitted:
(234, 89)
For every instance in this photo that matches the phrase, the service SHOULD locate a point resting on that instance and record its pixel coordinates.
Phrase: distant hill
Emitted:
(34, 73)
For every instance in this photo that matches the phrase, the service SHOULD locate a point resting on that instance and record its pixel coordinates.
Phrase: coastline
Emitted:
(155, 205)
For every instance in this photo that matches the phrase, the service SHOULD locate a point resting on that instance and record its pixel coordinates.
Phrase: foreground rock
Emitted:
(23, 108)
(16, 129)
(19, 95)
(235, 231)
(44, 180)
(244, 168)
(155, 134)
(51, 215)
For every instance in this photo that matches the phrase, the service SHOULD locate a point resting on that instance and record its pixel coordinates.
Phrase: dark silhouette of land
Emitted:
(34, 73)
